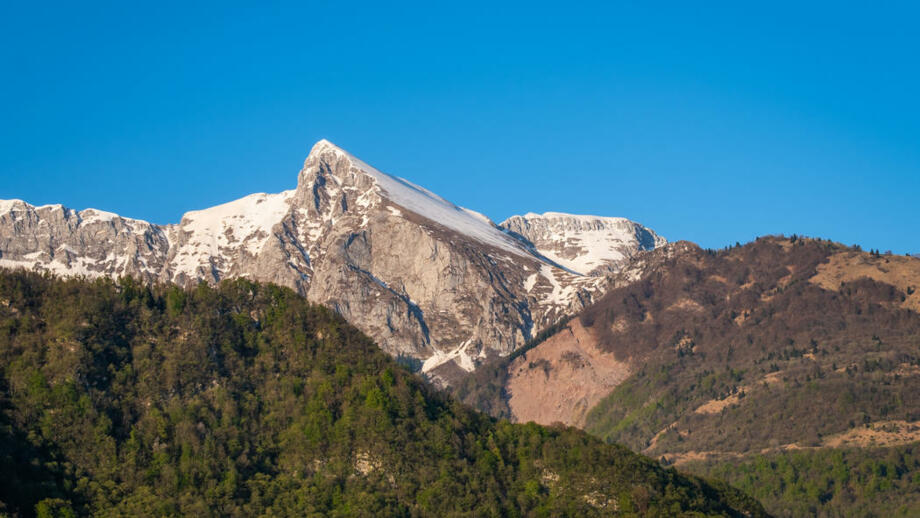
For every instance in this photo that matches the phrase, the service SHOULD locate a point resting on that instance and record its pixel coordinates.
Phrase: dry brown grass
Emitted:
(715, 406)
(877, 434)
(880, 433)
(899, 271)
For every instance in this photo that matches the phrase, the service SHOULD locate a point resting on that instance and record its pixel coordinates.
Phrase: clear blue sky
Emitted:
(714, 124)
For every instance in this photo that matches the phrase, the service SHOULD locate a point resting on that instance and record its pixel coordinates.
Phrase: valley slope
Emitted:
(711, 358)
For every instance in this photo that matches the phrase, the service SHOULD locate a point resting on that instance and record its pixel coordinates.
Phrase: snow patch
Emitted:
(94, 215)
(463, 358)
(561, 295)
(530, 281)
(78, 266)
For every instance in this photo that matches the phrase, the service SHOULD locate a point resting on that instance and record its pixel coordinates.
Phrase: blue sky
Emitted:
(713, 124)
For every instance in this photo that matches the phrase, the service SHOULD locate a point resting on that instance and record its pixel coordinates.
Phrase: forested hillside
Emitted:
(865, 482)
(118, 398)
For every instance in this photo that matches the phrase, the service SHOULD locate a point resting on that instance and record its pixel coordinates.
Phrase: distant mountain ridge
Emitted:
(430, 281)
(588, 245)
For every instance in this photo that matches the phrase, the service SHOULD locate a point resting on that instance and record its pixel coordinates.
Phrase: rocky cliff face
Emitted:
(89, 242)
(428, 280)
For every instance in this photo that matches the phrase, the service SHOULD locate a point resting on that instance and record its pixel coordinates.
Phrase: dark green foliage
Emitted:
(244, 400)
(877, 482)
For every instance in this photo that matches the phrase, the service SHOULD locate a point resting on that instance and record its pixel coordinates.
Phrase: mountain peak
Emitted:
(582, 243)
(325, 150)
(319, 169)
(325, 145)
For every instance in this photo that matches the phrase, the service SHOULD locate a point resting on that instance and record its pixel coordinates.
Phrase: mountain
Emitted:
(588, 245)
(782, 365)
(436, 284)
(129, 399)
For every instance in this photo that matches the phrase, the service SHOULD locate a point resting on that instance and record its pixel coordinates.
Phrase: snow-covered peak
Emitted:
(568, 224)
(228, 229)
(259, 209)
(577, 221)
(323, 144)
(583, 243)
(421, 201)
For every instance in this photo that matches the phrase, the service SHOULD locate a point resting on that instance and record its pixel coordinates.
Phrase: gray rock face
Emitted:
(88, 242)
(428, 280)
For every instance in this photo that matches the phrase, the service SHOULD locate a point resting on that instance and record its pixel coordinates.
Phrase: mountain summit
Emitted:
(435, 283)
(584, 244)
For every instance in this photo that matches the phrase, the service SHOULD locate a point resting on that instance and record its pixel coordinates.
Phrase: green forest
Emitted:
(123, 399)
(866, 482)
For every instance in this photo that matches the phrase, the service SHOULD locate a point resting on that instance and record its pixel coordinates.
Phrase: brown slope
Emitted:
(898, 271)
(743, 350)
(563, 378)
(790, 367)
(735, 351)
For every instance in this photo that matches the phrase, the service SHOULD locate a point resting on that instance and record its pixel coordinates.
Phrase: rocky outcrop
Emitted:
(428, 280)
